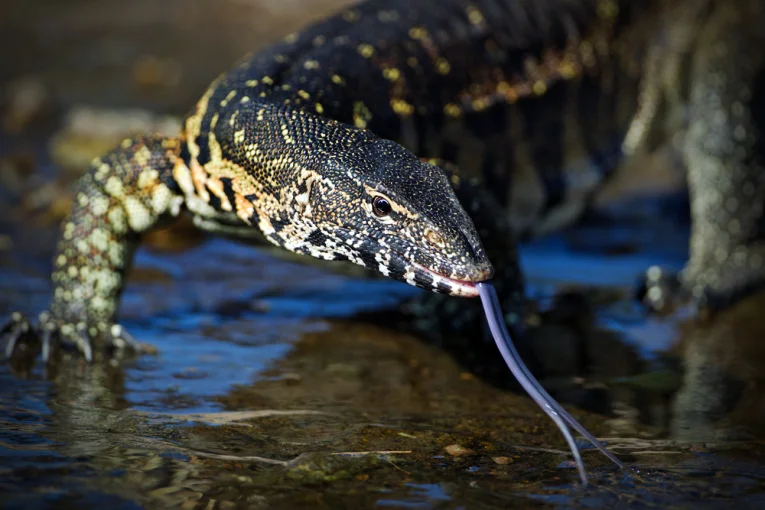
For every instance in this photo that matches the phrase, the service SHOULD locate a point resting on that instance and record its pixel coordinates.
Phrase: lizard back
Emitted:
(531, 97)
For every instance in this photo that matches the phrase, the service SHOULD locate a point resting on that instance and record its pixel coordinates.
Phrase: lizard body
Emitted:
(527, 105)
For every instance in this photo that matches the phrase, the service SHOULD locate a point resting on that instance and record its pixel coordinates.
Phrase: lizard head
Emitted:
(374, 203)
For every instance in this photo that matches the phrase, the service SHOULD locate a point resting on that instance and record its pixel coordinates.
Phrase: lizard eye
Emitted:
(381, 206)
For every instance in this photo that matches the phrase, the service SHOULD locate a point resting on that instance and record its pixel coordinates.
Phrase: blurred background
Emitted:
(159, 54)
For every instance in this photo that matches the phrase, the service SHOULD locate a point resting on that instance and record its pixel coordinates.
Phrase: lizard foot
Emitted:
(50, 333)
(660, 290)
(708, 286)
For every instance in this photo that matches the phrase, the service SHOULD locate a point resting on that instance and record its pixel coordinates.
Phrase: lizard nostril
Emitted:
(471, 248)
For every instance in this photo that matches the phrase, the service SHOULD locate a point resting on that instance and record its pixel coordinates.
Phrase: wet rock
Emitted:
(320, 468)
(456, 450)
(16, 170)
(150, 71)
(89, 132)
(6, 243)
(26, 100)
(257, 501)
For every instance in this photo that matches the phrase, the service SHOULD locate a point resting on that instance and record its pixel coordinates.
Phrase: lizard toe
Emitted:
(121, 340)
(55, 335)
(52, 334)
(82, 341)
(660, 290)
(15, 329)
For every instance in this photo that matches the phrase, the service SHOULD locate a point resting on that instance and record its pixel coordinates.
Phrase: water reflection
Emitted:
(721, 396)
(341, 387)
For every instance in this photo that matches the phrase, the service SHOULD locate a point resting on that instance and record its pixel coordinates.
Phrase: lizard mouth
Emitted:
(394, 264)
(447, 285)
(407, 270)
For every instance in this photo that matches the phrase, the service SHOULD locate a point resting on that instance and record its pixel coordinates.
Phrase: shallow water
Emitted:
(282, 385)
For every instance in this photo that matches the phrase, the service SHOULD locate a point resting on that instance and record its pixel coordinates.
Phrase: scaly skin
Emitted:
(312, 143)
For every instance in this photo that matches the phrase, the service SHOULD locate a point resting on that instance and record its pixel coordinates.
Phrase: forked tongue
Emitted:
(535, 390)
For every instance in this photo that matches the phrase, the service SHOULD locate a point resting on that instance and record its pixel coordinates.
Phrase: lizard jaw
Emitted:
(392, 263)
(461, 288)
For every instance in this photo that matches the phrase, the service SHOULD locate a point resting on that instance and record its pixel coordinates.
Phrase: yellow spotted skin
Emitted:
(520, 110)
(125, 193)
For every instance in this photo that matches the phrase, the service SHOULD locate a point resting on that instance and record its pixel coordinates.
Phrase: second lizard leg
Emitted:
(725, 155)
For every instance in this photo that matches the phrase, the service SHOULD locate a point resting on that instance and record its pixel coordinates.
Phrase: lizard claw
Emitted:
(15, 328)
(659, 290)
(81, 339)
(46, 337)
(119, 338)
(50, 332)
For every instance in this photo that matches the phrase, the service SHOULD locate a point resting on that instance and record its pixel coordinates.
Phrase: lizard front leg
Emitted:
(122, 195)
(725, 155)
